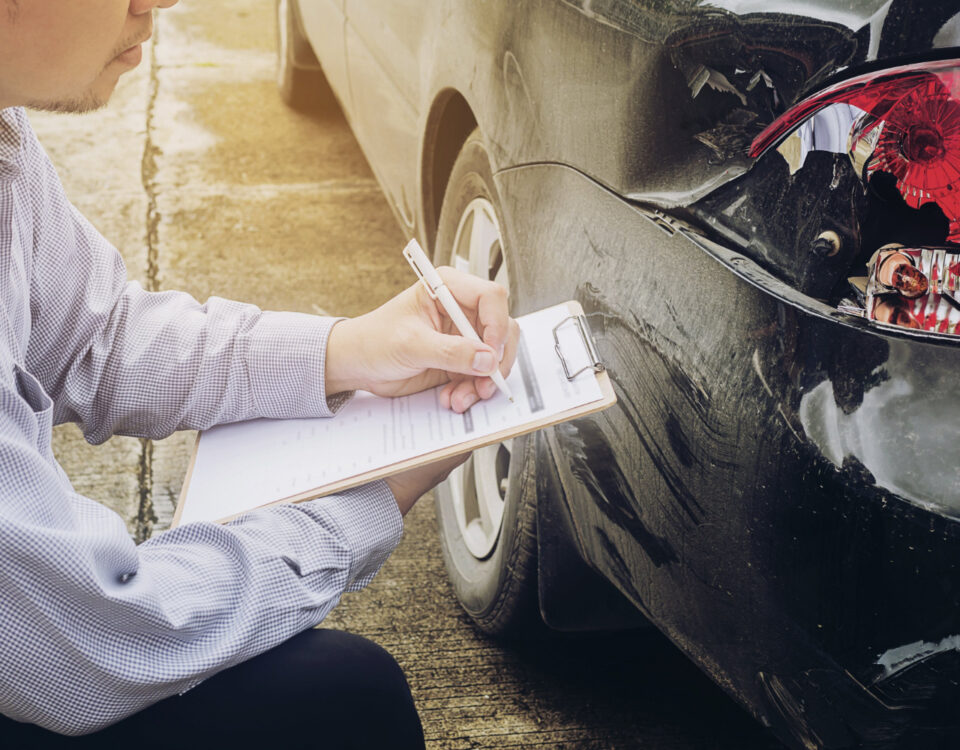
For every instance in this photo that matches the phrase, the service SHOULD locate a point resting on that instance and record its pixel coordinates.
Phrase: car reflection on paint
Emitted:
(717, 184)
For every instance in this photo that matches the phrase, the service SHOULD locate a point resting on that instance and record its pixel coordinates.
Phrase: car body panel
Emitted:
(710, 494)
(776, 488)
(383, 64)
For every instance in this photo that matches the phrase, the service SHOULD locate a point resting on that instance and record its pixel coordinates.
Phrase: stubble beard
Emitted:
(86, 102)
(91, 99)
(94, 97)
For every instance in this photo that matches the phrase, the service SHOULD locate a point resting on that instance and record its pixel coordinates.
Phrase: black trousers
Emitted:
(322, 689)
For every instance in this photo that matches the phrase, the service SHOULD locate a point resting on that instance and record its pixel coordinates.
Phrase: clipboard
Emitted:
(575, 359)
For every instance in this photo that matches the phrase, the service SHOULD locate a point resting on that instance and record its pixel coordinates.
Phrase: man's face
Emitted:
(68, 55)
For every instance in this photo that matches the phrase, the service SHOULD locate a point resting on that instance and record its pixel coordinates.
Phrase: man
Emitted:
(130, 643)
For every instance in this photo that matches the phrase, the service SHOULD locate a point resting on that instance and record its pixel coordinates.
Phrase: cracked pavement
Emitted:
(207, 183)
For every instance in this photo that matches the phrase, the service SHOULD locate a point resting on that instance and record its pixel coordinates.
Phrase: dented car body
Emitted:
(778, 488)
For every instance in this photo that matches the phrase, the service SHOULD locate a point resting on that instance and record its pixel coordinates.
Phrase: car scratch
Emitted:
(897, 659)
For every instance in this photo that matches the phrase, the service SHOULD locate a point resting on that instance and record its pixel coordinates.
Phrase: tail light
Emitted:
(903, 122)
(913, 288)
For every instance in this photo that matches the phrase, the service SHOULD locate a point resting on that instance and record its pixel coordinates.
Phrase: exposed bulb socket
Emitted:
(827, 245)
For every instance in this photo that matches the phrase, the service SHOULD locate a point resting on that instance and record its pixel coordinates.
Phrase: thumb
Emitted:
(456, 354)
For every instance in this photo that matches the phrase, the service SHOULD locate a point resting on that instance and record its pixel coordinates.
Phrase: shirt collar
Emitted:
(11, 144)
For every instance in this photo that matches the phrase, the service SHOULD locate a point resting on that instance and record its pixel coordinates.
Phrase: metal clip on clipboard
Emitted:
(593, 359)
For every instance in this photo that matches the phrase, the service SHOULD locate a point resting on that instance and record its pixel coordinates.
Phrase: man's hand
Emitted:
(409, 344)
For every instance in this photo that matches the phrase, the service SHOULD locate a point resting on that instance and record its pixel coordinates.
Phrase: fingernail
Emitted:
(469, 401)
(483, 363)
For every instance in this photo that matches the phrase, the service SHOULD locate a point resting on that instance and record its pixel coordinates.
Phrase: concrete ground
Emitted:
(207, 183)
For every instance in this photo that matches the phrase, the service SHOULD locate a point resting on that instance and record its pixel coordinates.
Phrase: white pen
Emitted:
(438, 290)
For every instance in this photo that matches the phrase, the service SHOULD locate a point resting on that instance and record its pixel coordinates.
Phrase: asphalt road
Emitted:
(207, 183)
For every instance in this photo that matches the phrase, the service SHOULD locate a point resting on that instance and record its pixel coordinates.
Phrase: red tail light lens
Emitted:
(910, 128)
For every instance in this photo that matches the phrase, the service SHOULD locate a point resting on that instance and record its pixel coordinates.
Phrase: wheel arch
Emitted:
(449, 122)
(569, 593)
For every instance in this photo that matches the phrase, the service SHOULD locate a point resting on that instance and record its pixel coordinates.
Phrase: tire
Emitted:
(493, 572)
(300, 80)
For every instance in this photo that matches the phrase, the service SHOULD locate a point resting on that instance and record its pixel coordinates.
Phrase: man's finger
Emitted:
(510, 347)
(463, 395)
(484, 301)
(447, 391)
(466, 288)
(454, 353)
(493, 317)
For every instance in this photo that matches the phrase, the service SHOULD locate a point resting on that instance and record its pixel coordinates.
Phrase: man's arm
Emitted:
(121, 360)
(96, 628)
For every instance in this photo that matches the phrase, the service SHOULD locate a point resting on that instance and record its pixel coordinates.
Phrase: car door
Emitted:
(383, 43)
(324, 23)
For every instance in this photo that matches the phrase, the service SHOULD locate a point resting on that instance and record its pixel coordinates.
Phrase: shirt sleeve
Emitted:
(118, 359)
(95, 627)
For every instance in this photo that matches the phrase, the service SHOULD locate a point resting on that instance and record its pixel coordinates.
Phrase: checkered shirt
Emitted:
(92, 626)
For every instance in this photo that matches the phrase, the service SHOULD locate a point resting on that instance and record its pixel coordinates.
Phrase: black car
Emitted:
(758, 206)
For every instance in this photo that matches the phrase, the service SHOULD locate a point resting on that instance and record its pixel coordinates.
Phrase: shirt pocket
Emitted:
(39, 402)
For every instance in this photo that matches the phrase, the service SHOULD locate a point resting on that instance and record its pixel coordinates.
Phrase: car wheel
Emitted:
(300, 80)
(487, 508)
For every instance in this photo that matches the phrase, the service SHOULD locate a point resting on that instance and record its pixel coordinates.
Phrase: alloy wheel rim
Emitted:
(479, 487)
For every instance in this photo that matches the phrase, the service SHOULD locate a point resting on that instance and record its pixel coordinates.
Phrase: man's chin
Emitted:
(94, 98)
(70, 106)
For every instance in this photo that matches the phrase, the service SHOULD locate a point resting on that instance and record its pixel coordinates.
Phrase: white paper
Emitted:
(244, 465)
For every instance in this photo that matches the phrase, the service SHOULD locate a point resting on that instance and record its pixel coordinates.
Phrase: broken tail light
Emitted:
(927, 297)
(905, 123)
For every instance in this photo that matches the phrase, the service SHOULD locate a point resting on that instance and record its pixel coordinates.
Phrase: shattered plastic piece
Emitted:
(895, 311)
(760, 75)
(895, 274)
(943, 269)
(732, 136)
(849, 307)
(715, 80)
(897, 271)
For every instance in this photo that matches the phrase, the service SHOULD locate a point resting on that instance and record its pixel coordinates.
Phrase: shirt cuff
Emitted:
(286, 362)
(373, 531)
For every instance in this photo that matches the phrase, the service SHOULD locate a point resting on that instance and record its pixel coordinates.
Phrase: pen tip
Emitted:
(511, 399)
